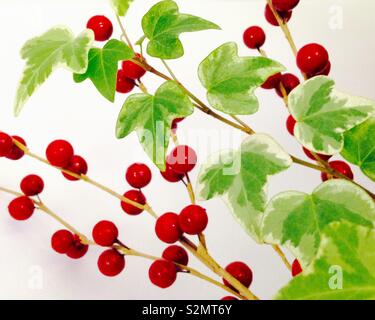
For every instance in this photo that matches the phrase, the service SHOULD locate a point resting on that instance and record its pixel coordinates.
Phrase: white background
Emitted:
(62, 109)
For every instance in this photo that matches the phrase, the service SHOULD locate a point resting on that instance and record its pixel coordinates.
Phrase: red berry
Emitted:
(254, 37)
(324, 72)
(32, 185)
(241, 272)
(59, 153)
(124, 84)
(101, 26)
(61, 241)
(193, 219)
(170, 175)
(176, 254)
(162, 273)
(16, 153)
(175, 123)
(296, 268)
(136, 196)
(6, 144)
(21, 208)
(105, 233)
(138, 175)
(167, 228)
(111, 263)
(272, 82)
(133, 70)
(77, 250)
(228, 298)
(290, 124)
(182, 159)
(323, 157)
(285, 5)
(341, 167)
(312, 58)
(289, 81)
(77, 165)
(270, 17)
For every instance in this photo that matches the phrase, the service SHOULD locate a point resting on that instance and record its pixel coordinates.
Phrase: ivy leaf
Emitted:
(240, 178)
(296, 219)
(103, 66)
(343, 270)
(43, 54)
(231, 80)
(324, 114)
(163, 24)
(151, 117)
(359, 147)
(121, 6)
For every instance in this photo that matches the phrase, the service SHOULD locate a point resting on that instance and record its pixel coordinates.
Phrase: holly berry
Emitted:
(290, 124)
(6, 144)
(176, 254)
(16, 153)
(77, 250)
(289, 81)
(21, 208)
(170, 175)
(136, 196)
(162, 273)
(138, 175)
(111, 263)
(254, 37)
(60, 153)
(167, 228)
(324, 72)
(272, 82)
(77, 165)
(105, 233)
(228, 298)
(61, 241)
(270, 17)
(101, 26)
(182, 159)
(285, 5)
(312, 58)
(132, 70)
(296, 268)
(32, 185)
(241, 272)
(323, 157)
(341, 167)
(124, 84)
(193, 219)
(175, 123)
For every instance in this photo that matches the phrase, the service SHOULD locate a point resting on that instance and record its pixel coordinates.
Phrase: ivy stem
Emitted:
(124, 35)
(278, 250)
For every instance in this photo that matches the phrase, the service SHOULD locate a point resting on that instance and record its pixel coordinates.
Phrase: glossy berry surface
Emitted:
(138, 175)
(6, 144)
(21, 208)
(284, 5)
(111, 263)
(133, 70)
(32, 185)
(254, 37)
(105, 233)
(77, 250)
(228, 298)
(101, 26)
(136, 196)
(323, 157)
(170, 175)
(182, 159)
(341, 167)
(59, 153)
(241, 272)
(176, 254)
(193, 219)
(312, 58)
(77, 165)
(290, 124)
(123, 83)
(16, 153)
(167, 228)
(289, 82)
(61, 241)
(270, 17)
(162, 273)
(272, 82)
(296, 268)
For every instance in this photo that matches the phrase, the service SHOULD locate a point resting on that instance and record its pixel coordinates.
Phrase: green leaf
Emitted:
(240, 178)
(163, 24)
(103, 66)
(231, 80)
(324, 114)
(296, 219)
(121, 6)
(344, 269)
(359, 147)
(151, 117)
(43, 54)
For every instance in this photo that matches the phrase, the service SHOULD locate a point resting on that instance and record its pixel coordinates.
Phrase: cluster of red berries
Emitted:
(284, 9)
(8, 148)
(65, 242)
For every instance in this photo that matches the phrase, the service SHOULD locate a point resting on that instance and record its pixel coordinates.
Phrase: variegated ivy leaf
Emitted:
(344, 268)
(163, 24)
(296, 219)
(231, 80)
(359, 147)
(151, 117)
(324, 114)
(121, 6)
(43, 54)
(240, 178)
